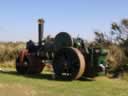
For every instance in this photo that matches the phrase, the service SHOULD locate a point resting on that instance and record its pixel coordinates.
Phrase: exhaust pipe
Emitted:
(40, 30)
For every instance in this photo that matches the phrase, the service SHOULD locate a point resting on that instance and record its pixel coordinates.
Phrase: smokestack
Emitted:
(40, 30)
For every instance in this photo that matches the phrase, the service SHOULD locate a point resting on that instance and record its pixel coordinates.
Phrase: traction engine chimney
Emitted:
(40, 30)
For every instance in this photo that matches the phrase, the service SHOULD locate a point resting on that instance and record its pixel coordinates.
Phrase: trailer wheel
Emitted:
(69, 64)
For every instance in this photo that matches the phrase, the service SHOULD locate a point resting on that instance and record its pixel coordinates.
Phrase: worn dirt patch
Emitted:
(16, 90)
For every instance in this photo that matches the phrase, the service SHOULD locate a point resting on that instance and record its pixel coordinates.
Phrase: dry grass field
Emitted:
(13, 84)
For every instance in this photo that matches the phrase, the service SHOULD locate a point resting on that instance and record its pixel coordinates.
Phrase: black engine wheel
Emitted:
(27, 63)
(21, 68)
(69, 63)
(35, 65)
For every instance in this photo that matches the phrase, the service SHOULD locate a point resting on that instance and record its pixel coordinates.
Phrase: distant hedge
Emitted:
(9, 50)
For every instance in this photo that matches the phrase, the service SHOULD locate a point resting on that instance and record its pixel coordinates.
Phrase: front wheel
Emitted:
(21, 67)
(28, 64)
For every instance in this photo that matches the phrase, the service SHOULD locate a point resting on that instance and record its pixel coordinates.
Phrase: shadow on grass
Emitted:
(86, 79)
(34, 76)
(45, 76)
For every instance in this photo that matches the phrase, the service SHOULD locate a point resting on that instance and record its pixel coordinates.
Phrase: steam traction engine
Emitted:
(69, 56)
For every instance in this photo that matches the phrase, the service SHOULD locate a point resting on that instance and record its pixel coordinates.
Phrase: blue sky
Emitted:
(18, 18)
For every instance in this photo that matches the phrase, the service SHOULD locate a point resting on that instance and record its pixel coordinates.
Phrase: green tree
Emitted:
(101, 39)
(119, 32)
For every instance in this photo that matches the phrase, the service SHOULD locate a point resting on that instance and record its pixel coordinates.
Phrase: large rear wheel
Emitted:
(69, 63)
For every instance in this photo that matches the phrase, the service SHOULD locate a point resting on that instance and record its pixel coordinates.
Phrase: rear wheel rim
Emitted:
(69, 61)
